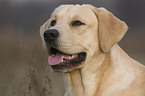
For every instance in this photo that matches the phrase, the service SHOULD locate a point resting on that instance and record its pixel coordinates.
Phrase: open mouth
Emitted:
(61, 61)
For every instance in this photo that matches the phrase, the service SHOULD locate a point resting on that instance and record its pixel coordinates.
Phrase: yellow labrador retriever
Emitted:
(81, 42)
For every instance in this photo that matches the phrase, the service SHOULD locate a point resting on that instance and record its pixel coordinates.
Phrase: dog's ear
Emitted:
(111, 29)
(44, 27)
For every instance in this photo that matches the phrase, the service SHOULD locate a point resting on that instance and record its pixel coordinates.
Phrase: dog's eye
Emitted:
(77, 23)
(53, 22)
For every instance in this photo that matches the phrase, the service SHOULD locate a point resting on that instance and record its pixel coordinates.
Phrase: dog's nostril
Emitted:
(45, 37)
(51, 35)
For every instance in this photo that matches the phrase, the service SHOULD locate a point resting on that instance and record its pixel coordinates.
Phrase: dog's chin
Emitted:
(67, 69)
(61, 62)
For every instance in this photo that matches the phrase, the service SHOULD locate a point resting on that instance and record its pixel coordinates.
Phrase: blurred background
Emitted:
(24, 70)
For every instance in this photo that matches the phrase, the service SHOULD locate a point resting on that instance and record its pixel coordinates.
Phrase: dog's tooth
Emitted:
(70, 57)
(52, 55)
(62, 60)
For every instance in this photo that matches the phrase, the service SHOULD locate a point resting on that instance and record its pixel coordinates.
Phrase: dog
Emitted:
(81, 41)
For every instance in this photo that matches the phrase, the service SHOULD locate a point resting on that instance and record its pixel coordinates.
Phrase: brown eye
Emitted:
(53, 22)
(77, 23)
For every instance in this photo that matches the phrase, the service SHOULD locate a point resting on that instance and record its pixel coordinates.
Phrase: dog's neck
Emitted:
(88, 79)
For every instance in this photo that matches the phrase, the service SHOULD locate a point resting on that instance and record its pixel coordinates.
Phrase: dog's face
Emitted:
(71, 37)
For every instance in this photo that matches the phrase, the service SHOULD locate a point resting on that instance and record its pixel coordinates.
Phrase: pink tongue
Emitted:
(55, 60)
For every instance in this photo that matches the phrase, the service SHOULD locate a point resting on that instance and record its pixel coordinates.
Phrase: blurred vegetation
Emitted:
(23, 63)
(23, 67)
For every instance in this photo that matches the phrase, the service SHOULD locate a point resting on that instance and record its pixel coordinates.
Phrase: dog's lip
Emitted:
(52, 50)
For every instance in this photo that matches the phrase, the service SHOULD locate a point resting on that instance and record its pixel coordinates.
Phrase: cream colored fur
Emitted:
(107, 70)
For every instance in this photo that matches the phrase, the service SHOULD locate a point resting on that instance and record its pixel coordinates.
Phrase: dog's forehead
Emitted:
(73, 11)
(61, 10)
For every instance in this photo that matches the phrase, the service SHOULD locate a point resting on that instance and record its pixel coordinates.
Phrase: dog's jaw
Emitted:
(62, 62)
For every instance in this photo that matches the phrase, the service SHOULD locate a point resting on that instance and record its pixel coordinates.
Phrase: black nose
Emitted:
(50, 35)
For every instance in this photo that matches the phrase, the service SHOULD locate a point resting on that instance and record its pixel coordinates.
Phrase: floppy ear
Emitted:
(44, 27)
(111, 29)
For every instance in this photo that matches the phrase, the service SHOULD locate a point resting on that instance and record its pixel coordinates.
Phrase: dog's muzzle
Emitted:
(59, 60)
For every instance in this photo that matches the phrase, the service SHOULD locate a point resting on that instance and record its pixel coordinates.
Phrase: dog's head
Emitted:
(75, 33)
